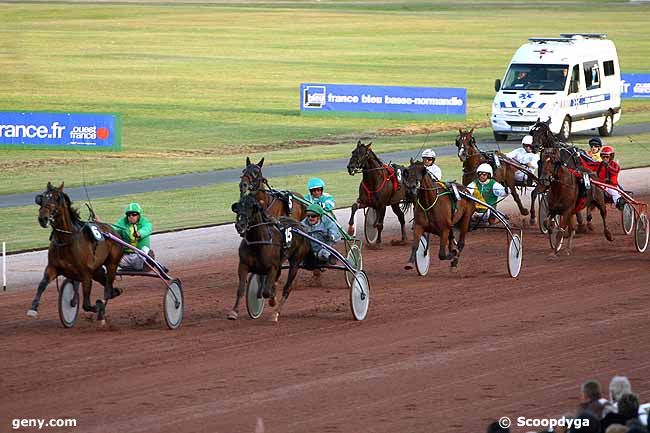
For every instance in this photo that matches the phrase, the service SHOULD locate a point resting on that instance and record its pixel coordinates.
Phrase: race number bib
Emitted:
(586, 180)
(398, 174)
(290, 203)
(496, 161)
(288, 237)
(96, 233)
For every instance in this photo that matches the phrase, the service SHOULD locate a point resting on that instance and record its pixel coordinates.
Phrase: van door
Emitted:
(595, 100)
(573, 93)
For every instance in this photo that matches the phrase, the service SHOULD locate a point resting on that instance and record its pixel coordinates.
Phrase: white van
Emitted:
(536, 86)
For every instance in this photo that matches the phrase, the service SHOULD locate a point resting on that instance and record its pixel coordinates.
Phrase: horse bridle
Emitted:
(255, 180)
(462, 152)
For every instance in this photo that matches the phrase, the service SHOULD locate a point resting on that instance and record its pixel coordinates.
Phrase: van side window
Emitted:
(574, 86)
(608, 67)
(592, 75)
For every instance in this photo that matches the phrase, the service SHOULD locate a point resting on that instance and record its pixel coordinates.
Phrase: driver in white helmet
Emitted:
(487, 190)
(524, 155)
(429, 159)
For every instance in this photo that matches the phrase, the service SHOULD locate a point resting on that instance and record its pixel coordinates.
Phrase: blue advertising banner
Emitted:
(382, 99)
(635, 85)
(60, 130)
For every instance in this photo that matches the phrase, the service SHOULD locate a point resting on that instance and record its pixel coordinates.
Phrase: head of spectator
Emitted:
(616, 428)
(618, 386)
(628, 406)
(495, 427)
(590, 398)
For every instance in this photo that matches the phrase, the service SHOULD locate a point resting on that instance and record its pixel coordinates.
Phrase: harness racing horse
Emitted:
(73, 252)
(471, 157)
(275, 203)
(266, 244)
(564, 198)
(435, 212)
(380, 186)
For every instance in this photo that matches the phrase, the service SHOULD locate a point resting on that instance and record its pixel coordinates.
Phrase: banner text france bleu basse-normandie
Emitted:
(60, 130)
(382, 99)
(635, 85)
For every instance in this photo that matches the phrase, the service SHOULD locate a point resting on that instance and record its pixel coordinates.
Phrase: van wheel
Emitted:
(565, 131)
(608, 126)
(500, 137)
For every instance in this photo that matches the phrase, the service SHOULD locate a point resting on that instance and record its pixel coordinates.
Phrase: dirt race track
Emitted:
(442, 353)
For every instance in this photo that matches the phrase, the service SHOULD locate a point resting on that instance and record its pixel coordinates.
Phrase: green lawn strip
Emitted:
(197, 85)
(194, 207)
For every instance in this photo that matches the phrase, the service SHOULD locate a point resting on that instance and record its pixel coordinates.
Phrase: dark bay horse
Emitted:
(563, 194)
(435, 212)
(471, 157)
(381, 186)
(267, 242)
(275, 203)
(73, 253)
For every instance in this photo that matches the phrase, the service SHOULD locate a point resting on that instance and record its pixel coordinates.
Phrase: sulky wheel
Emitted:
(360, 296)
(69, 303)
(641, 233)
(422, 256)
(543, 213)
(369, 229)
(515, 255)
(356, 261)
(254, 299)
(174, 304)
(627, 218)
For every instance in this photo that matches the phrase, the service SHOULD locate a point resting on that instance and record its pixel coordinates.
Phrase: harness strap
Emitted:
(391, 175)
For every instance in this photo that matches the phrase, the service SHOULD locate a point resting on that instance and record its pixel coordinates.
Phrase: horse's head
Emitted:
(413, 178)
(550, 162)
(51, 202)
(360, 158)
(543, 138)
(465, 143)
(248, 211)
(251, 179)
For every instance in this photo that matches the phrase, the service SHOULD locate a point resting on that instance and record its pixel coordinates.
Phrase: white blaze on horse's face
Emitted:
(461, 153)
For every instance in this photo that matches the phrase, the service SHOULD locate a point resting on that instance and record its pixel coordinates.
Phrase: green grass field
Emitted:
(211, 204)
(200, 86)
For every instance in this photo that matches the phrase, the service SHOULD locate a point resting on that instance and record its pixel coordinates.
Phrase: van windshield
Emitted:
(536, 77)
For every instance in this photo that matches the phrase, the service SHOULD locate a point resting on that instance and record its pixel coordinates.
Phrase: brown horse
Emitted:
(434, 212)
(266, 244)
(380, 186)
(472, 157)
(275, 203)
(73, 253)
(563, 194)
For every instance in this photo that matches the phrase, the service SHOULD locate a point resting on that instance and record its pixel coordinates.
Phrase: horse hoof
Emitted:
(351, 230)
(609, 236)
(397, 243)
(525, 212)
(453, 269)
(274, 317)
(32, 313)
(272, 302)
(408, 267)
(102, 323)
(116, 292)
(232, 315)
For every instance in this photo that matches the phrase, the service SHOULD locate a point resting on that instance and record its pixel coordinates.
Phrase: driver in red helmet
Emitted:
(607, 171)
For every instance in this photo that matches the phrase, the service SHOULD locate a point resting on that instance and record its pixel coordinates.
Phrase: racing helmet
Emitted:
(485, 168)
(608, 151)
(314, 209)
(527, 140)
(595, 141)
(315, 182)
(429, 153)
(133, 208)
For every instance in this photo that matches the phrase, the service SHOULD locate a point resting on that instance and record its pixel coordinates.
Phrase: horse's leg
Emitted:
(353, 211)
(418, 231)
(516, 198)
(581, 221)
(402, 224)
(48, 275)
(444, 240)
(602, 207)
(533, 198)
(572, 232)
(242, 271)
(269, 285)
(293, 271)
(381, 213)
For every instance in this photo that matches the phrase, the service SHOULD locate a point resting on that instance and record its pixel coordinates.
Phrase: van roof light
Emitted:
(545, 40)
(584, 35)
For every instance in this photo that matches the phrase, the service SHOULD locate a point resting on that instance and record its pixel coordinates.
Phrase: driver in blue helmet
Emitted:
(317, 194)
(321, 227)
